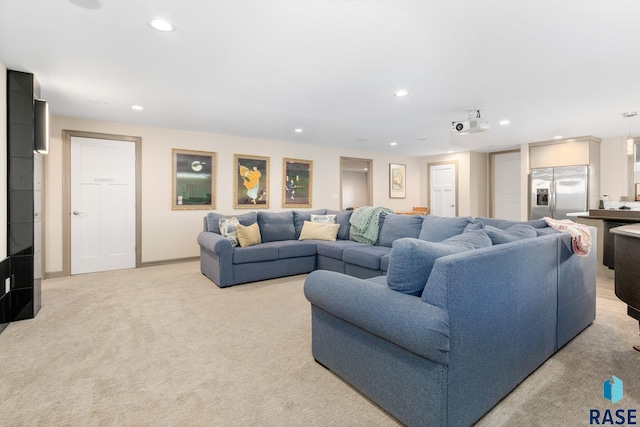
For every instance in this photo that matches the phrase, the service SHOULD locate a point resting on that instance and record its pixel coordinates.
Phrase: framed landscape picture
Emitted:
(193, 175)
(397, 181)
(296, 183)
(251, 182)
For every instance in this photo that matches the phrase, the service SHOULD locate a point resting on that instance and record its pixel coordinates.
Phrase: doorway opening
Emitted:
(356, 182)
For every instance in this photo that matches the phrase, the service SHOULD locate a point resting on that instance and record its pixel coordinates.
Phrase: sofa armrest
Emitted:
(215, 243)
(404, 320)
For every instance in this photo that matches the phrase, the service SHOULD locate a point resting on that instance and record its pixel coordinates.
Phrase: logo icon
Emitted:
(612, 389)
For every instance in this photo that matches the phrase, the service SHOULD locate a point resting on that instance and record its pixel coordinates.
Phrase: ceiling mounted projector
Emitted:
(471, 125)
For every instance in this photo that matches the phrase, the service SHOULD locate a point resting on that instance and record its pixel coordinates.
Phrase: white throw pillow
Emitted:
(229, 229)
(323, 219)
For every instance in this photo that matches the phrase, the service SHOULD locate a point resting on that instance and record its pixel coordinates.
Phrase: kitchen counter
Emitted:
(611, 219)
(613, 215)
(627, 280)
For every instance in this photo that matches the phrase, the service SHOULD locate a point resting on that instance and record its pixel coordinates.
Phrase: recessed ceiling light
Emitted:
(401, 93)
(393, 144)
(137, 107)
(162, 24)
(87, 4)
(298, 130)
(557, 137)
(504, 122)
(449, 152)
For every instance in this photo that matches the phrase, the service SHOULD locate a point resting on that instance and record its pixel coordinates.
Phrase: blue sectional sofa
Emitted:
(453, 326)
(281, 254)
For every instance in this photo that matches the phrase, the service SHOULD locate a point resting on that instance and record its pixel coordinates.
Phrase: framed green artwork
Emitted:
(193, 179)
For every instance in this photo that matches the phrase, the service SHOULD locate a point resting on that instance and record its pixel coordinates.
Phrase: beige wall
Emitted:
(168, 234)
(3, 161)
(479, 184)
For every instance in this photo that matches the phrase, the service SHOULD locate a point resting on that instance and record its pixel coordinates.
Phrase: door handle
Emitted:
(77, 212)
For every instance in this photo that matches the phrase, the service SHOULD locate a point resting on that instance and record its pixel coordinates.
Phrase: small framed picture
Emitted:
(251, 182)
(193, 179)
(397, 181)
(296, 183)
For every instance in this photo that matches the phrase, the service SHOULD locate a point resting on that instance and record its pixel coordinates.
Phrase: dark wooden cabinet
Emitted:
(627, 279)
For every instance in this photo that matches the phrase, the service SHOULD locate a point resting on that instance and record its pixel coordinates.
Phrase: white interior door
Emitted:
(442, 189)
(506, 186)
(102, 205)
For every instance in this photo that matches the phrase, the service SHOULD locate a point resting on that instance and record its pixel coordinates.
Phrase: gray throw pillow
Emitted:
(438, 228)
(412, 260)
(510, 234)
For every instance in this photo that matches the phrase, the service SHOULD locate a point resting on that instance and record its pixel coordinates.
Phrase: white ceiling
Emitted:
(260, 68)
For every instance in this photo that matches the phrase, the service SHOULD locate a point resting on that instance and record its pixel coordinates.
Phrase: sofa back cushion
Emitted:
(276, 226)
(439, 228)
(411, 260)
(342, 218)
(394, 227)
(511, 234)
(299, 217)
(213, 219)
(503, 224)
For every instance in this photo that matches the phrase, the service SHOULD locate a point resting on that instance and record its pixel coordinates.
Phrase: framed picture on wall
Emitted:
(193, 179)
(296, 183)
(251, 182)
(397, 181)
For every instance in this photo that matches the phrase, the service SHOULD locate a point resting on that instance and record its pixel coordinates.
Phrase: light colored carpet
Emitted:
(163, 346)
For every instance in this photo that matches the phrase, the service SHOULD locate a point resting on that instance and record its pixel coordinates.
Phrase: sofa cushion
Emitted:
(398, 226)
(319, 231)
(276, 226)
(439, 228)
(546, 230)
(412, 260)
(299, 217)
(474, 226)
(249, 235)
(365, 256)
(506, 223)
(342, 218)
(294, 248)
(384, 262)
(511, 234)
(255, 253)
(335, 249)
(213, 219)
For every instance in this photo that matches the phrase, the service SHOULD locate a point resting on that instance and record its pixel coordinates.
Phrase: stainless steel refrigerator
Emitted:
(555, 192)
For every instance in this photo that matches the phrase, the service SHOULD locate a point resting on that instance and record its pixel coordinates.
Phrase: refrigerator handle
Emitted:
(553, 199)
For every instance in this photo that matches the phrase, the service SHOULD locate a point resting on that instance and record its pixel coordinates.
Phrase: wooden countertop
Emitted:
(613, 215)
